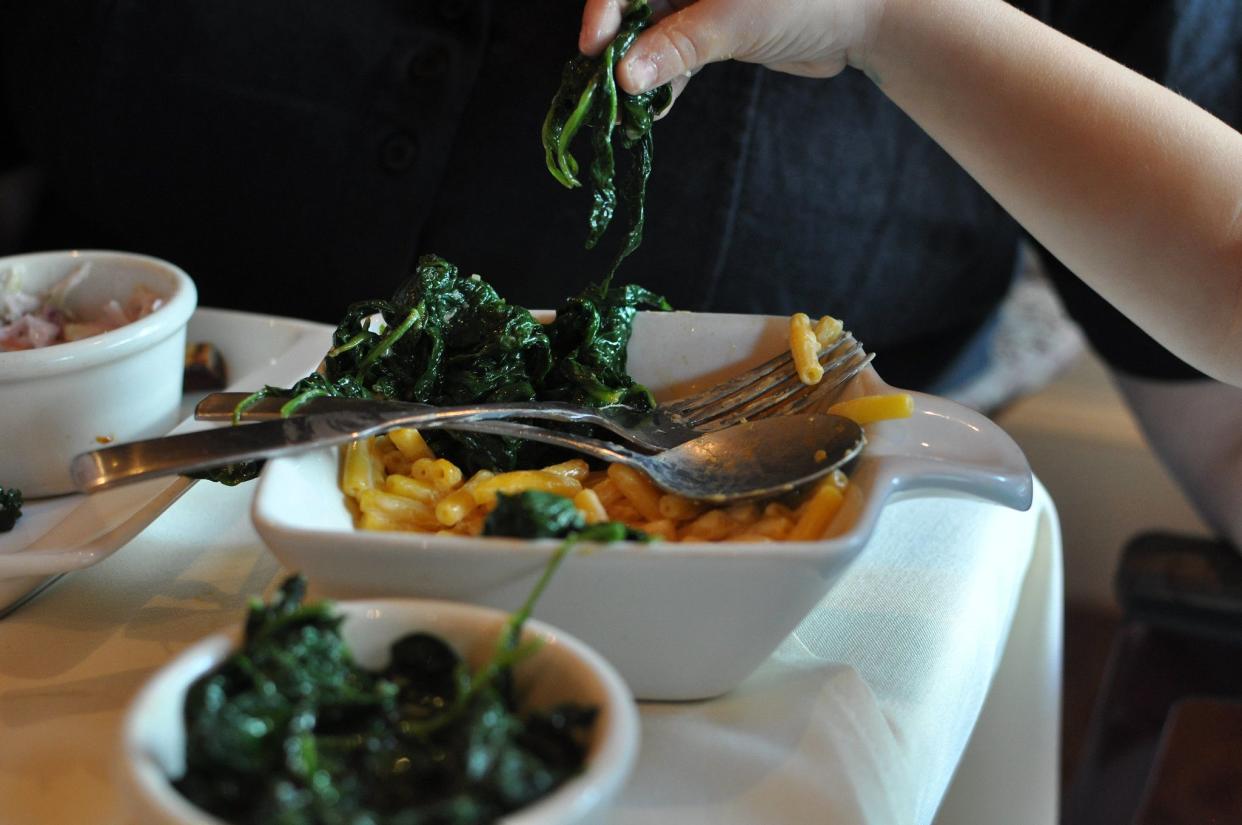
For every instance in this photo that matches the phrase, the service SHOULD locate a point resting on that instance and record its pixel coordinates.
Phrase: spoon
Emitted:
(753, 459)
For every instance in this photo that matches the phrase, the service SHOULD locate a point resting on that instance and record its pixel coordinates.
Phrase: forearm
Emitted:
(1136, 190)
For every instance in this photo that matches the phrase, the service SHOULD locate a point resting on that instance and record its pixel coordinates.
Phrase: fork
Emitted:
(772, 388)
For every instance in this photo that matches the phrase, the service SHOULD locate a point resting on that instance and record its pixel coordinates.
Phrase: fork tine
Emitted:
(778, 387)
(772, 390)
(793, 395)
(728, 395)
(825, 393)
(736, 384)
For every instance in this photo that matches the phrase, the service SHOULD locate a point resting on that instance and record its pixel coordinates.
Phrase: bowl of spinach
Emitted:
(385, 711)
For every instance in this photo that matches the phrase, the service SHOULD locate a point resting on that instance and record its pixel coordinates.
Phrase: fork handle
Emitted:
(119, 464)
(220, 406)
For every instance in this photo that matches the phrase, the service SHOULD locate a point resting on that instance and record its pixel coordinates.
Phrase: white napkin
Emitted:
(863, 713)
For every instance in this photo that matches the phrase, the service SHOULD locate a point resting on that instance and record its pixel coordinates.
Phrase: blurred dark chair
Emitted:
(1162, 742)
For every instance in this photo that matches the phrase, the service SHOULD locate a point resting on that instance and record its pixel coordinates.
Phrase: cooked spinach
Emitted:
(447, 338)
(10, 508)
(589, 339)
(289, 729)
(230, 475)
(535, 514)
(588, 98)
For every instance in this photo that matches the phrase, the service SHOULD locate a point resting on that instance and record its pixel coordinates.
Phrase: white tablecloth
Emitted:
(937, 654)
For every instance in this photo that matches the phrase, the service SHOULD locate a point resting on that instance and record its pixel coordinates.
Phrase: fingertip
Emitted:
(638, 73)
(601, 19)
(589, 42)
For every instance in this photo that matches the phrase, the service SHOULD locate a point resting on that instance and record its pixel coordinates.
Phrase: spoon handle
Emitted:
(134, 461)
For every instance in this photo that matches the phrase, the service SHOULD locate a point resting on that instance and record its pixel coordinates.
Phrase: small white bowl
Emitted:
(121, 385)
(562, 669)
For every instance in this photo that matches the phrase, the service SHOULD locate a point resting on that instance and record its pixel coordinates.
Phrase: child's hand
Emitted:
(813, 38)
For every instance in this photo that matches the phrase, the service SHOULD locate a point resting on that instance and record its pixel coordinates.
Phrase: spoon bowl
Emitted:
(756, 459)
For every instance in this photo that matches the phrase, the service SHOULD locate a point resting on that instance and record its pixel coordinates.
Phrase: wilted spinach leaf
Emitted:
(447, 338)
(230, 475)
(290, 729)
(535, 514)
(588, 98)
(589, 340)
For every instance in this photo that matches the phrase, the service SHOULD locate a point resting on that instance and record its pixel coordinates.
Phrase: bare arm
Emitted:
(1135, 189)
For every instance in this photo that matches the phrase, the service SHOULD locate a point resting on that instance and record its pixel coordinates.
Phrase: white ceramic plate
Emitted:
(56, 535)
(563, 669)
(680, 621)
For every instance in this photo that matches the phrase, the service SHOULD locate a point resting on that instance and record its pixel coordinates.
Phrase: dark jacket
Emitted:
(295, 157)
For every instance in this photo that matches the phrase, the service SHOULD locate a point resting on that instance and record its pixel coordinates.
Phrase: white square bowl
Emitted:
(679, 621)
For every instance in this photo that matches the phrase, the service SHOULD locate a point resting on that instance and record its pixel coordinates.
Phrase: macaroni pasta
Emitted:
(807, 341)
(391, 491)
